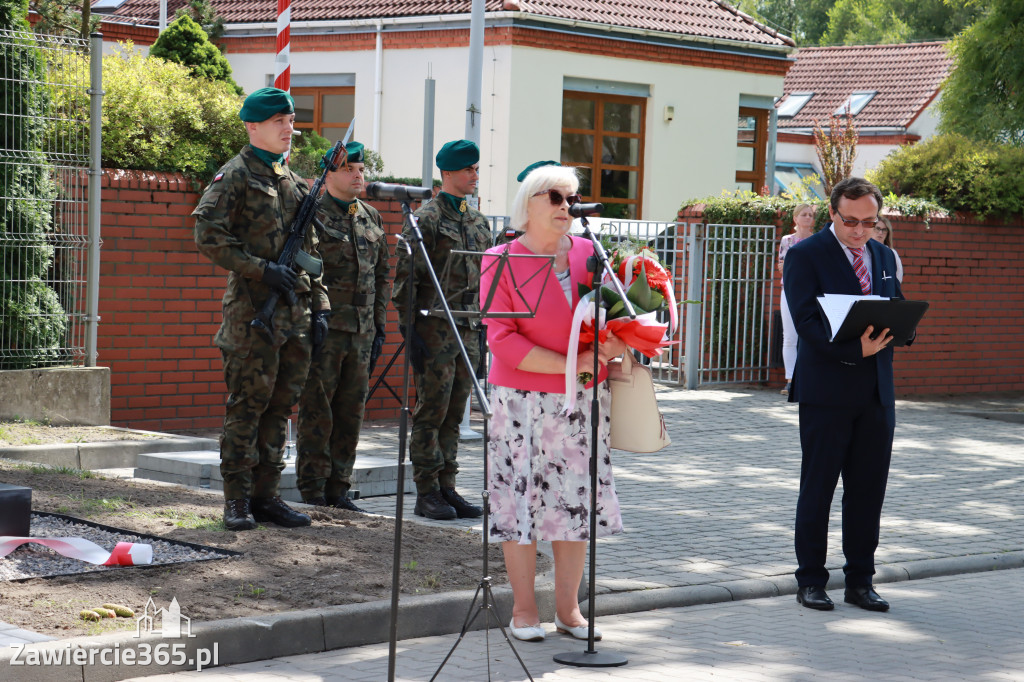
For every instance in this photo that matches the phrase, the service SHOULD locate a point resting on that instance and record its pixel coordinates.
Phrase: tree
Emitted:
(185, 42)
(32, 321)
(871, 22)
(983, 97)
(805, 21)
(836, 149)
(204, 14)
(64, 18)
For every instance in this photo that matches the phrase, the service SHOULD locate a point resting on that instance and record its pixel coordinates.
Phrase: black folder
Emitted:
(899, 316)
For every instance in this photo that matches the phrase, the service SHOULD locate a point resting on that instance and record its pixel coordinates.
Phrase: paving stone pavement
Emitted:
(964, 627)
(718, 504)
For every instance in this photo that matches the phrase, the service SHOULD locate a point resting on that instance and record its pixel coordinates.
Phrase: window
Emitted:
(603, 136)
(795, 101)
(788, 175)
(751, 148)
(856, 102)
(325, 110)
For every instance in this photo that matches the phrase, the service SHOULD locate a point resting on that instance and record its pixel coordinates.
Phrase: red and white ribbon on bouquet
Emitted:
(124, 553)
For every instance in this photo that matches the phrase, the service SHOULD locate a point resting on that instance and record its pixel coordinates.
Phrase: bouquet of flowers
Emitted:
(648, 286)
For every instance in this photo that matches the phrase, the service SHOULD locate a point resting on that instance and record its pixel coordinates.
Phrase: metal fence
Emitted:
(49, 196)
(724, 336)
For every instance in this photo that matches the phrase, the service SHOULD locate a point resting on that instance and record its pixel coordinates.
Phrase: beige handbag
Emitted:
(637, 424)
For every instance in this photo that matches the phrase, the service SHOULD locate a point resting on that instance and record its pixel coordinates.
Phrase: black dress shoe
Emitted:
(343, 501)
(433, 506)
(274, 510)
(237, 515)
(464, 509)
(814, 597)
(866, 598)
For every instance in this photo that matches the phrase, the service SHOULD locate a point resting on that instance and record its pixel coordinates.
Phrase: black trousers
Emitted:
(855, 443)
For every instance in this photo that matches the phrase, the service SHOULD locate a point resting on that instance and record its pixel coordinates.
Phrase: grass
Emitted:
(61, 470)
(87, 505)
(252, 591)
(187, 519)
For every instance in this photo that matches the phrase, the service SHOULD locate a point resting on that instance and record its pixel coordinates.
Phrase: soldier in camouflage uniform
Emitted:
(443, 383)
(357, 277)
(242, 223)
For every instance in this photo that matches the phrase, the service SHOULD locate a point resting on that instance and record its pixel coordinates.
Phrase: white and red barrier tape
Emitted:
(124, 554)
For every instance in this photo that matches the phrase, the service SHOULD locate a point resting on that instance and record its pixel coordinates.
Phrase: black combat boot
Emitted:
(274, 509)
(318, 501)
(237, 515)
(343, 501)
(433, 506)
(464, 509)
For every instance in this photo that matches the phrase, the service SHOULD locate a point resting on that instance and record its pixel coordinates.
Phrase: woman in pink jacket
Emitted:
(538, 456)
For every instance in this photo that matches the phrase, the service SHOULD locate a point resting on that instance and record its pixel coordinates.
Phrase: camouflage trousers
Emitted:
(441, 395)
(263, 385)
(331, 414)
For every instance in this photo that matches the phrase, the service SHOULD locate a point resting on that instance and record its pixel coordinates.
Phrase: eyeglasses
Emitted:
(869, 224)
(557, 198)
(881, 229)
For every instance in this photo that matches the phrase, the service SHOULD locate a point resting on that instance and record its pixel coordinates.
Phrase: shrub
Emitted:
(979, 177)
(185, 42)
(309, 148)
(156, 116)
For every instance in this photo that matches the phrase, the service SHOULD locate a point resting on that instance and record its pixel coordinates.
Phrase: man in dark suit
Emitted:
(846, 396)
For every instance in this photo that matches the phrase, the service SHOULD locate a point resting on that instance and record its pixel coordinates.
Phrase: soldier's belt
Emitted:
(348, 298)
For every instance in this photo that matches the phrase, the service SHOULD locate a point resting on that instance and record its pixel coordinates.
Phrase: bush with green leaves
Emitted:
(156, 116)
(308, 151)
(963, 175)
(33, 324)
(185, 42)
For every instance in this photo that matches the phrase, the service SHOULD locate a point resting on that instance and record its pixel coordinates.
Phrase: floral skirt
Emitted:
(539, 467)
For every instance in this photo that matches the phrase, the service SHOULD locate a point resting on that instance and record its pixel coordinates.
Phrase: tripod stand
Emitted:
(413, 244)
(483, 593)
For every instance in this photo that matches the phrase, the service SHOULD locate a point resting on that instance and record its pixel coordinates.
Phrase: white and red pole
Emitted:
(282, 65)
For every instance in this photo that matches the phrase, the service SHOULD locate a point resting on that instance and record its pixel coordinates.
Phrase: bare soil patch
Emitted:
(343, 558)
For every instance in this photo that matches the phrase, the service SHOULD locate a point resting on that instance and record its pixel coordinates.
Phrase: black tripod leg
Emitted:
(383, 375)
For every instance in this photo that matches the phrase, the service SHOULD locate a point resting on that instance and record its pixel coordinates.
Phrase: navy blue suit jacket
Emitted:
(829, 373)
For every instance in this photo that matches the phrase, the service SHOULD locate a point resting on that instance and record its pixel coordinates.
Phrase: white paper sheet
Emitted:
(837, 306)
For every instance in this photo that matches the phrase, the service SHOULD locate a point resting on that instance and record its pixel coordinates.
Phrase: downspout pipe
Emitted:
(378, 85)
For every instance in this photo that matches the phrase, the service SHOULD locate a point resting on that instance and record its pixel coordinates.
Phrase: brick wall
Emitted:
(160, 307)
(970, 272)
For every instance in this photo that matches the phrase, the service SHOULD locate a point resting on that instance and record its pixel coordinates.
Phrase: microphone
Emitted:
(582, 210)
(386, 190)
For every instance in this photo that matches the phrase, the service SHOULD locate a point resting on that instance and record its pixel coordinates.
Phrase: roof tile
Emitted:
(700, 18)
(905, 76)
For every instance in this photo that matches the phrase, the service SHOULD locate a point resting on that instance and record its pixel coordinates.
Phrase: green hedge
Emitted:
(963, 175)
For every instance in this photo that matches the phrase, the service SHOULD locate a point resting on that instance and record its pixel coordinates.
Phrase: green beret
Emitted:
(533, 166)
(355, 152)
(264, 103)
(457, 155)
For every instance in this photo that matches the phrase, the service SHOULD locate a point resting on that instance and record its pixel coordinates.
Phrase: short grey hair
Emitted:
(540, 180)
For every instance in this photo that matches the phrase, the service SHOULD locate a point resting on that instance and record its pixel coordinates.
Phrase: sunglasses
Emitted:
(868, 224)
(557, 198)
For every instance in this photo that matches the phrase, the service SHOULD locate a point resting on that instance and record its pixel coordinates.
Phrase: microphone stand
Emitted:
(590, 657)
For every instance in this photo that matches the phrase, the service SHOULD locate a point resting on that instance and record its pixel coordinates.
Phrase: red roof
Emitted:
(699, 18)
(906, 78)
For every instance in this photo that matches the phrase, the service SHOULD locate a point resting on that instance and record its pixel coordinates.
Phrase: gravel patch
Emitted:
(36, 561)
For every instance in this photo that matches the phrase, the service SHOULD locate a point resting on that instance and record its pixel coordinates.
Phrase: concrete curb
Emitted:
(106, 454)
(243, 640)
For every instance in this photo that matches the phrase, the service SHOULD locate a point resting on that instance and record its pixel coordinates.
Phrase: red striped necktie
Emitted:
(862, 272)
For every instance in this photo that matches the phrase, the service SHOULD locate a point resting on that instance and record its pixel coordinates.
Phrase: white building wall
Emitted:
(692, 156)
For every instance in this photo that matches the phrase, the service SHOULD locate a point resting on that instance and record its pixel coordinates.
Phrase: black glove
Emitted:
(377, 348)
(319, 331)
(280, 277)
(416, 347)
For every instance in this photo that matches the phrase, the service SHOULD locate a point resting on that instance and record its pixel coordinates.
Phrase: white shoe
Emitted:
(527, 633)
(579, 632)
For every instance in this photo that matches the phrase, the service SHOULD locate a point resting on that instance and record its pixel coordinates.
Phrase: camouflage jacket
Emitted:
(356, 269)
(444, 229)
(242, 222)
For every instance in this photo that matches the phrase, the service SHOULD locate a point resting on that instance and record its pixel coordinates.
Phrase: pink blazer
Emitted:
(511, 338)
